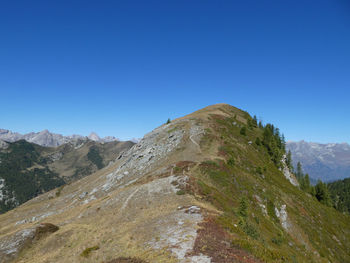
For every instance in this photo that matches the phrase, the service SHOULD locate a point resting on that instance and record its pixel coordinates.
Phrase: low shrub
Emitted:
(88, 250)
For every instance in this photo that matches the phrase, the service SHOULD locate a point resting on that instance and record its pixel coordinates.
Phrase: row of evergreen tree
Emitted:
(335, 194)
(272, 139)
(340, 194)
(320, 190)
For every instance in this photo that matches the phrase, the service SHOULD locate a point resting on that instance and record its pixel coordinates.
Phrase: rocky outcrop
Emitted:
(287, 173)
(12, 245)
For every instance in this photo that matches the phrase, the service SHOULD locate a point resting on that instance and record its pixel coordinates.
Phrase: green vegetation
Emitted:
(278, 240)
(180, 192)
(231, 162)
(252, 123)
(274, 143)
(319, 191)
(83, 171)
(243, 207)
(95, 157)
(28, 170)
(289, 161)
(59, 190)
(304, 180)
(251, 188)
(257, 141)
(322, 193)
(88, 251)
(243, 131)
(340, 194)
(168, 121)
(247, 228)
(177, 169)
(22, 183)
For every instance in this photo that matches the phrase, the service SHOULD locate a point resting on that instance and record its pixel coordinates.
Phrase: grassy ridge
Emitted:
(246, 184)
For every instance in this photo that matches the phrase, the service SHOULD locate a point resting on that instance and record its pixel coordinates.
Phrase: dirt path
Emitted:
(127, 199)
(195, 143)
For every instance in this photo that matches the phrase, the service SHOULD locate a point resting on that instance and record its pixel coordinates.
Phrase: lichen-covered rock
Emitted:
(287, 173)
(282, 216)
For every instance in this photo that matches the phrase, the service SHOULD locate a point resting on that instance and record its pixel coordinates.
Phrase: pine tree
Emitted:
(312, 190)
(283, 141)
(322, 193)
(243, 131)
(257, 141)
(243, 207)
(250, 124)
(255, 121)
(299, 174)
(307, 183)
(289, 160)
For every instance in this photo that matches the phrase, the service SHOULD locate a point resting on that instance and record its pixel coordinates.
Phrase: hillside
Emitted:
(27, 169)
(202, 188)
(327, 162)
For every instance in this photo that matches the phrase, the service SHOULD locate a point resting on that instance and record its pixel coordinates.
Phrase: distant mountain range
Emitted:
(46, 138)
(328, 162)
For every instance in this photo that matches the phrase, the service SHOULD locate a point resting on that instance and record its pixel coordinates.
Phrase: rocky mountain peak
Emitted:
(94, 137)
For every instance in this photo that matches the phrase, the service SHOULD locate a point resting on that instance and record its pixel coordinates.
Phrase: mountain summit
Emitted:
(212, 186)
(94, 137)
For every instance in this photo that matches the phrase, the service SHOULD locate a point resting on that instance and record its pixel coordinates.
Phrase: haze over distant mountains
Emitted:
(46, 138)
(327, 162)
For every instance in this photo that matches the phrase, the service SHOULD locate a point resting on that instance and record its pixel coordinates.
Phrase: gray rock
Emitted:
(11, 245)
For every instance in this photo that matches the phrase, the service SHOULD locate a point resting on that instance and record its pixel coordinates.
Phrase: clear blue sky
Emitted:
(123, 67)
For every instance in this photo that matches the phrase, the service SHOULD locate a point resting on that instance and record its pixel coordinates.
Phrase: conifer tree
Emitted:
(289, 160)
(255, 121)
(257, 141)
(322, 193)
(307, 183)
(299, 174)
